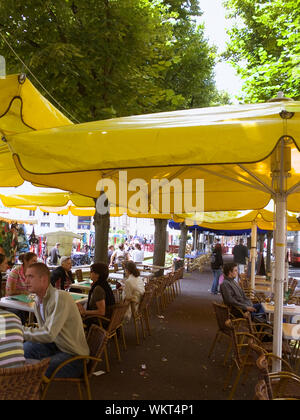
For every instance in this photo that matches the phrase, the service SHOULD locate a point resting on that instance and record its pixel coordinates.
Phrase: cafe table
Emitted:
(262, 289)
(26, 302)
(288, 310)
(291, 331)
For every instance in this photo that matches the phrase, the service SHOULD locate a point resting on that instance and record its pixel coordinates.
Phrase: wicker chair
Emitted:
(97, 339)
(262, 331)
(23, 383)
(115, 324)
(283, 384)
(261, 391)
(222, 313)
(160, 286)
(79, 275)
(243, 358)
(141, 313)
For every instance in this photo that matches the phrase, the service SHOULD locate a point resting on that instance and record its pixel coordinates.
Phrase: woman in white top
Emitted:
(134, 288)
(137, 254)
(119, 256)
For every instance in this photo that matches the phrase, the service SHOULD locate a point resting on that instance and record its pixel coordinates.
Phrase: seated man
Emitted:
(234, 296)
(11, 341)
(62, 276)
(60, 334)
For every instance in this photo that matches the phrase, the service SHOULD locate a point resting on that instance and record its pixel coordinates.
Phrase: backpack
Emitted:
(213, 258)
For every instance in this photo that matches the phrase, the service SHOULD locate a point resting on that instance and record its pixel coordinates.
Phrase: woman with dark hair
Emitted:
(134, 288)
(3, 269)
(101, 298)
(16, 284)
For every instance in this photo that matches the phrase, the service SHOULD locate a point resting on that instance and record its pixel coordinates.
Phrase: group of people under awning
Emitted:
(60, 332)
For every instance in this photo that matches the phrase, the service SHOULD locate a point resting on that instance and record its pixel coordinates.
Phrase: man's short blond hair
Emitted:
(41, 269)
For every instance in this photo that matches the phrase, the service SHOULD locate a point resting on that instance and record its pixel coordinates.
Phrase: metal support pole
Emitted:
(253, 252)
(280, 251)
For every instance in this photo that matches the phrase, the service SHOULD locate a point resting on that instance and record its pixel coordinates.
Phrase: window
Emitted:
(31, 212)
(43, 224)
(59, 225)
(45, 213)
(84, 222)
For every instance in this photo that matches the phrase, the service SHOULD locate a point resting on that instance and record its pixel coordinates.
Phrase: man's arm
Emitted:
(230, 297)
(54, 322)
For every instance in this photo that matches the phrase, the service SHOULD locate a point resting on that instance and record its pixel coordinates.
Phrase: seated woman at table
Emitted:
(137, 254)
(62, 277)
(3, 269)
(101, 297)
(134, 288)
(16, 284)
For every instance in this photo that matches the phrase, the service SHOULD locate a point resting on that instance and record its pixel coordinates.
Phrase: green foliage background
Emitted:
(109, 58)
(265, 47)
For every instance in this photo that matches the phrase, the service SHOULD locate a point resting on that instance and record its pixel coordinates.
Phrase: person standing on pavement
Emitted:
(216, 265)
(54, 254)
(240, 255)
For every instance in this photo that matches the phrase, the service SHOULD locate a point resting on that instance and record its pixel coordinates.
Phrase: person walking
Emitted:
(54, 254)
(240, 255)
(216, 265)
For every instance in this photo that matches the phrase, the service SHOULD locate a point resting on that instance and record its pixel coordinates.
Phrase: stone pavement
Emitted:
(172, 363)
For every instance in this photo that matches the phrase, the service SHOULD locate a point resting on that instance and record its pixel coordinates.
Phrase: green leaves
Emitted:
(107, 58)
(265, 47)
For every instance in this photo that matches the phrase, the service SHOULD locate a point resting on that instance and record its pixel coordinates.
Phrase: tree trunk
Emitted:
(160, 242)
(101, 223)
(183, 239)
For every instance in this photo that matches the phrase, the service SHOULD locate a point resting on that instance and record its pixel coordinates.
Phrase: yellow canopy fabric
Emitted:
(22, 109)
(234, 220)
(65, 202)
(230, 147)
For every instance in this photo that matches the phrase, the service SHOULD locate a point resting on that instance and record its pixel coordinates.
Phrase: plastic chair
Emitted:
(97, 339)
(23, 383)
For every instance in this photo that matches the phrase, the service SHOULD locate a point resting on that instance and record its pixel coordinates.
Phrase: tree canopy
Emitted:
(265, 47)
(108, 58)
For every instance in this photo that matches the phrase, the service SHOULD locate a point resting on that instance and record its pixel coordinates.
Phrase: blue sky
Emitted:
(215, 30)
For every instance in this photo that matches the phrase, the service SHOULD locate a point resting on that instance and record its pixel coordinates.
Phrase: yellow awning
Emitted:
(22, 109)
(230, 147)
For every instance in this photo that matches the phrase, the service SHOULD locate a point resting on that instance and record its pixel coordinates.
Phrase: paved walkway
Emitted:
(172, 363)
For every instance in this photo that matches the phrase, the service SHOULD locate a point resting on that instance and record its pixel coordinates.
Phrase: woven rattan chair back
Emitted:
(97, 340)
(79, 275)
(117, 317)
(262, 364)
(22, 383)
(146, 300)
(261, 391)
(222, 315)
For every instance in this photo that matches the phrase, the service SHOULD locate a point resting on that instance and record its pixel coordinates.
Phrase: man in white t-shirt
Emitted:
(137, 254)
